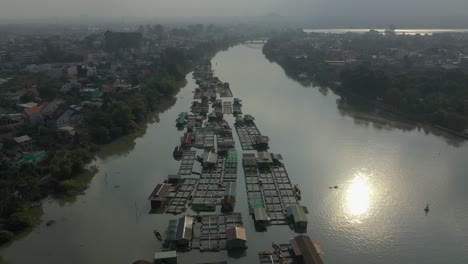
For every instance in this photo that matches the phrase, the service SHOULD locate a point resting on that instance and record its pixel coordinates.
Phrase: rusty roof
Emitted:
(36, 109)
(237, 232)
(303, 247)
(160, 191)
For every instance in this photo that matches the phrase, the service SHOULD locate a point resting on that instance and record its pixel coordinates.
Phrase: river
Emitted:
(386, 172)
(421, 31)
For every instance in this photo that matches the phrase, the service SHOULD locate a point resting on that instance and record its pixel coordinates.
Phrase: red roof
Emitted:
(36, 109)
(303, 247)
(160, 192)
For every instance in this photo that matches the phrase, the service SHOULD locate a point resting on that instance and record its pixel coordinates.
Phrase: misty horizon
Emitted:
(321, 13)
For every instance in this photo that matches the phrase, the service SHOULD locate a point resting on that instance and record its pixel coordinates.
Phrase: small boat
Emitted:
(297, 192)
(158, 235)
(178, 152)
(427, 208)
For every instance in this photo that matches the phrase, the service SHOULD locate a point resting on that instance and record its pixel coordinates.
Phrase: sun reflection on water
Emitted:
(358, 198)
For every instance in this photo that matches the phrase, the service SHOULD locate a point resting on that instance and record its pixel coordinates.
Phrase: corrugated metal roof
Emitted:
(298, 213)
(165, 255)
(210, 157)
(230, 189)
(303, 246)
(261, 214)
(236, 233)
(160, 191)
(22, 139)
(185, 228)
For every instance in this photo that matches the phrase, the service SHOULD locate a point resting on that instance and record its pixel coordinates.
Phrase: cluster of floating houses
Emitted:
(207, 177)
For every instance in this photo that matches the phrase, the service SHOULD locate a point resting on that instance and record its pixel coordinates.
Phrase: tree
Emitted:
(5, 236)
(19, 221)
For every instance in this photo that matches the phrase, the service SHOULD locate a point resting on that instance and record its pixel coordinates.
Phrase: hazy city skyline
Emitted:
(358, 9)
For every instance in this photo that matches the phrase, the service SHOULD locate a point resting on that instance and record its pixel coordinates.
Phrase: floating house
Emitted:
(264, 158)
(236, 238)
(304, 250)
(187, 140)
(159, 195)
(249, 160)
(209, 159)
(229, 198)
(297, 215)
(248, 119)
(184, 231)
(261, 217)
(165, 257)
(261, 142)
(173, 178)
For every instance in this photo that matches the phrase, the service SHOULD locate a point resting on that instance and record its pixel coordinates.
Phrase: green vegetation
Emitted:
(404, 86)
(64, 171)
(438, 96)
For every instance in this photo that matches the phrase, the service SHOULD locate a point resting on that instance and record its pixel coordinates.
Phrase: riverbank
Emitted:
(415, 90)
(66, 171)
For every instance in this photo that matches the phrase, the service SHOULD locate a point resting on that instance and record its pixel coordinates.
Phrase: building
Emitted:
(11, 120)
(70, 116)
(188, 140)
(249, 160)
(173, 178)
(304, 251)
(229, 198)
(264, 158)
(184, 231)
(116, 41)
(209, 159)
(90, 93)
(236, 238)
(297, 214)
(25, 143)
(159, 195)
(261, 142)
(165, 257)
(32, 115)
(261, 217)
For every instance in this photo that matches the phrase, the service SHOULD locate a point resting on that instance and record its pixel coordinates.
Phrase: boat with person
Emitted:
(158, 235)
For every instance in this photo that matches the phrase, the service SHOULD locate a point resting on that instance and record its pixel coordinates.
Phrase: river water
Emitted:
(420, 31)
(386, 172)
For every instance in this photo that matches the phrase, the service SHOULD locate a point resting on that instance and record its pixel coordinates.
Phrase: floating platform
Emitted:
(281, 255)
(212, 185)
(209, 233)
(273, 185)
(247, 134)
(179, 196)
(186, 165)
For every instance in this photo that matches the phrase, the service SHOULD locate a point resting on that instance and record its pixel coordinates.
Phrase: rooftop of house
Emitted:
(236, 233)
(22, 139)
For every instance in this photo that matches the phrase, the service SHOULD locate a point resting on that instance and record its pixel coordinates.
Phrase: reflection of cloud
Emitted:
(358, 198)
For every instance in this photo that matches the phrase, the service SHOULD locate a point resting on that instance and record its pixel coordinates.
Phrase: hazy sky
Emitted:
(29, 9)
